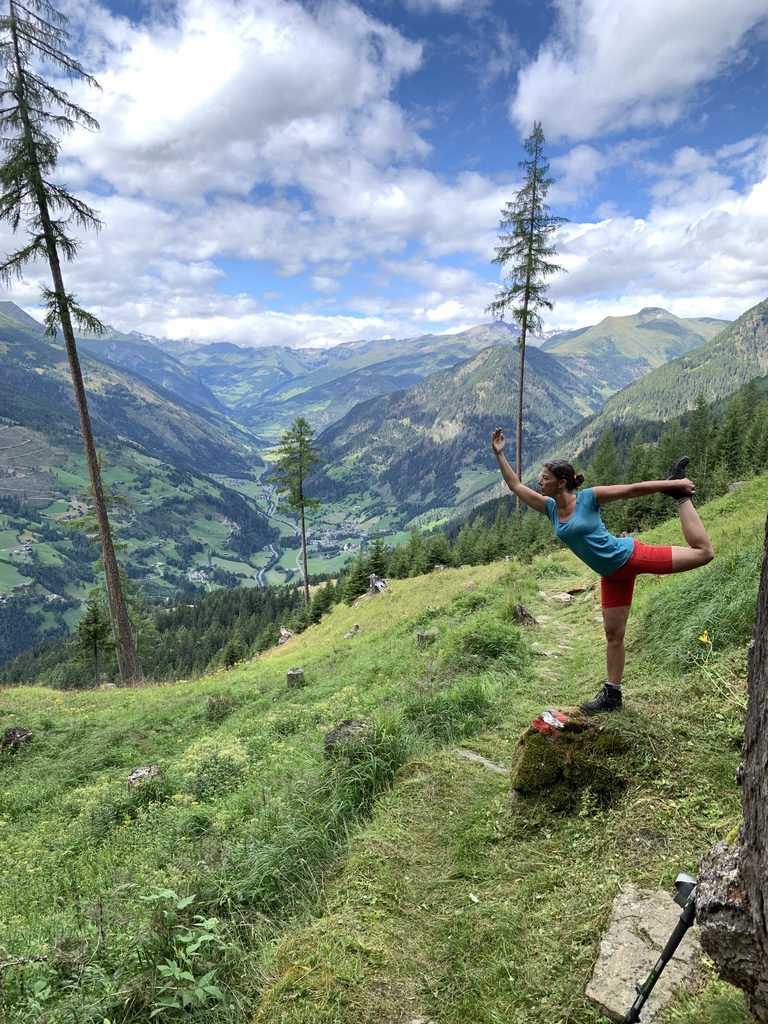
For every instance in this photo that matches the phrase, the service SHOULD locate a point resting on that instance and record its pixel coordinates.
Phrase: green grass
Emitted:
(8, 539)
(10, 577)
(388, 885)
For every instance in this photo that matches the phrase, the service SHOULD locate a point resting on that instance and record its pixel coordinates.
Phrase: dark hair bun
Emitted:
(578, 479)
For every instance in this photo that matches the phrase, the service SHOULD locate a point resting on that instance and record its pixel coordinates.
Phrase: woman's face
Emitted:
(549, 485)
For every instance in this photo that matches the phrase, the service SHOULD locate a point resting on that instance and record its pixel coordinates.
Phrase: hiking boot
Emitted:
(677, 472)
(608, 699)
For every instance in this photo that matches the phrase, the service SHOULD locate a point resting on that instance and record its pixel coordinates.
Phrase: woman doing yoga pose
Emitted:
(618, 560)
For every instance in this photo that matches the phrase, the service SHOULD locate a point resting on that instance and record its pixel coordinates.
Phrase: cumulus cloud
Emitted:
(446, 6)
(702, 248)
(261, 182)
(612, 65)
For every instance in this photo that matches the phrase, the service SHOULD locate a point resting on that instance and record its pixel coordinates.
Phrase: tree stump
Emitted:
(295, 677)
(426, 637)
(14, 738)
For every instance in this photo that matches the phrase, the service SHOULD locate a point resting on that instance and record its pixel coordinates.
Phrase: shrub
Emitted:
(211, 765)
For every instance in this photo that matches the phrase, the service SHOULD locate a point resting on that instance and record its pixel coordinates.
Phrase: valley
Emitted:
(186, 435)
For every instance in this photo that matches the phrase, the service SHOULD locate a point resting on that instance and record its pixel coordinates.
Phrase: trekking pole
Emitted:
(685, 897)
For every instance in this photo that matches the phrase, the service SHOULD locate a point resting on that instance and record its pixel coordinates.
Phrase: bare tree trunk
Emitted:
(732, 896)
(520, 389)
(114, 583)
(304, 558)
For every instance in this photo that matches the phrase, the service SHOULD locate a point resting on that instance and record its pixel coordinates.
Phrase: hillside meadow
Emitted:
(254, 881)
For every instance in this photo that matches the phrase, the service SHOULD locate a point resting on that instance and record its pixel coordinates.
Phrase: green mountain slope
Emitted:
(717, 369)
(144, 358)
(621, 349)
(428, 446)
(401, 885)
(182, 528)
(36, 391)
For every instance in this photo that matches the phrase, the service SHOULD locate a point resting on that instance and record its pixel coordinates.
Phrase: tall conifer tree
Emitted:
(297, 457)
(526, 253)
(32, 111)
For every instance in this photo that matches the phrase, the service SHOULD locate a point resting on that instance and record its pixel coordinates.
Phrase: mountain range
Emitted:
(265, 389)
(404, 427)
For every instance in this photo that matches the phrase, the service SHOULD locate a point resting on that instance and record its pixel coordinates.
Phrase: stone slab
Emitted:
(640, 926)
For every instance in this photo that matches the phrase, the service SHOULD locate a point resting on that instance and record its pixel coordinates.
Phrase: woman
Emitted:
(618, 560)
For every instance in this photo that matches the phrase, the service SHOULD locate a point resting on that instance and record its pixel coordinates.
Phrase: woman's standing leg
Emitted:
(609, 698)
(615, 625)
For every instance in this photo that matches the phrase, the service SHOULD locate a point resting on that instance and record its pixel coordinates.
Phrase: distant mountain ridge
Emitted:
(716, 369)
(428, 446)
(144, 358)
(266, 388)
(621, 349)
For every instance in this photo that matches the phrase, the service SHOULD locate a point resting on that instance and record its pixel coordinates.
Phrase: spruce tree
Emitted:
(377, 556)
(699, 443)
(296, 458)
(32, 109)
(526, 252)
(92, 634)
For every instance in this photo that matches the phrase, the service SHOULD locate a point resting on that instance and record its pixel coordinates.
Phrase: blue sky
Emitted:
(271, 171)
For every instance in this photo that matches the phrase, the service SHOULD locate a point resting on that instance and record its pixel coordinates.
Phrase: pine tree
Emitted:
(92, 636)
(32, 109)
(699, 443)
(526, 252)
(730, 448)
(296, 459)
(356, 581)
(377, 556)
(604, 465)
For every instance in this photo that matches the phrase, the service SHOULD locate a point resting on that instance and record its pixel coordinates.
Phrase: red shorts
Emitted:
(617, 589)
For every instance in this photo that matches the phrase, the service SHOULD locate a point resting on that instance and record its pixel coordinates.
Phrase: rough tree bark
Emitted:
(732, 895)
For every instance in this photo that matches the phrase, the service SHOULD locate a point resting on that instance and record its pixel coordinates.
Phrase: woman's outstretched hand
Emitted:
(497, 441)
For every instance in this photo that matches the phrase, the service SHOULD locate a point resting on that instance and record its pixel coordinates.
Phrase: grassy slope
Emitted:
(449, 903)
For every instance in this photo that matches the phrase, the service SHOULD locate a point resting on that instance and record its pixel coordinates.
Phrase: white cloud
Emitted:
(446, 6)
(614, 64)
(232, 96)
(270, 328)
(702, 248)
(285, 154)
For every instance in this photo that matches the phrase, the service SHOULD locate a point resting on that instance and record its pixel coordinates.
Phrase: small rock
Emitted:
(140, 776)
(348, 735)
(14, 738)
(523, 617)
(470, 755)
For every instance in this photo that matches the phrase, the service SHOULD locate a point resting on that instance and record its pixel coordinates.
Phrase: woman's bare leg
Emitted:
(699, 550)
(615, 625)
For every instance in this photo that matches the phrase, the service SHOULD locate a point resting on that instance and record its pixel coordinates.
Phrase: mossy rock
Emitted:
(582, 755)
